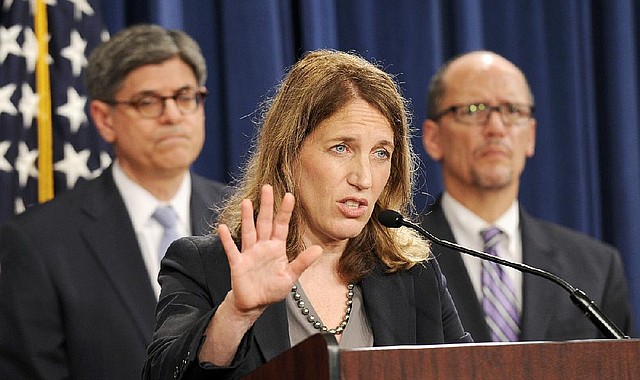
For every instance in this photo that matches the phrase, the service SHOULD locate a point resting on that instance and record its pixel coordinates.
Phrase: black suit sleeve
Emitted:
(31, 329)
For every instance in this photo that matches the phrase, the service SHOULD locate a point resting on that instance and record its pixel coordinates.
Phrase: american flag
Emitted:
(72, 151)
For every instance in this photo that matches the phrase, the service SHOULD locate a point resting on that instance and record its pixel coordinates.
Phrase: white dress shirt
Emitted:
(141, 204)
(466, 227)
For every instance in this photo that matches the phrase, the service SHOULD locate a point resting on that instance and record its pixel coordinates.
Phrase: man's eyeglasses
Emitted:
(479, 113)
(152, 105)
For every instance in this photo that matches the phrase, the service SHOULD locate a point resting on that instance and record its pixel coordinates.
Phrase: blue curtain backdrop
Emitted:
(581, 57)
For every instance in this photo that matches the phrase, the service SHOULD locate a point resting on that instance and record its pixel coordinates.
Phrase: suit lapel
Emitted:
(206, 197)
(201, 209)
(458, 281)
(538, 293)
(111, 239)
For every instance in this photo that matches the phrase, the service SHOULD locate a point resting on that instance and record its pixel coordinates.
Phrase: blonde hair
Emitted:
(316, 87)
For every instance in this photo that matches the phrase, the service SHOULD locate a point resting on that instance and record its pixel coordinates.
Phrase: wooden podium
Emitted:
(318, 358)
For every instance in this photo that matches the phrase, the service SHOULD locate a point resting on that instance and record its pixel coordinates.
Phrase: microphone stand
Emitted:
(393, 219)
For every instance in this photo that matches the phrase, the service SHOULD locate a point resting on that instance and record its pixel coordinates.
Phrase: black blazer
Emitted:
(75, 296)
(410, 307)
(547, 311)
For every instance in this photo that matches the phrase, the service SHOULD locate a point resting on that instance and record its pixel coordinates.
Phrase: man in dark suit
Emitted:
(78, 277)
(481, 129)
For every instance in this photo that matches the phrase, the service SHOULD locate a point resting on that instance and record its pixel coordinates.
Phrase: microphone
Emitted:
(393, 219)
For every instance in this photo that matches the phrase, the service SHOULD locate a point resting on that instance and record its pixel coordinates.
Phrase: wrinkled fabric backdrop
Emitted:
(581, 57)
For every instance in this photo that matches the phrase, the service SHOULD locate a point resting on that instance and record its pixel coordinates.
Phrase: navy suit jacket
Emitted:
(76, 300)
(409, 307)
(547, 311)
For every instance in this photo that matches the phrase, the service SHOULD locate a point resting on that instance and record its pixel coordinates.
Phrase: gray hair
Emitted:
(134, 47)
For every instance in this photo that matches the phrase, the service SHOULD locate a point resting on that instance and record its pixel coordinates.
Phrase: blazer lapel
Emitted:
(111, 239)
(385, 300)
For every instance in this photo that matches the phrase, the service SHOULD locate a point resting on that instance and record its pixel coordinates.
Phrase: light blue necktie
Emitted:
(167, 217)
(498, 294)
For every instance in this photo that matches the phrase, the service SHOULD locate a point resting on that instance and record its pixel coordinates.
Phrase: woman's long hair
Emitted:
(319, 85)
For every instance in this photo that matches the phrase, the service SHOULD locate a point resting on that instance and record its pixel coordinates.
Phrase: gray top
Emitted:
(357, 333)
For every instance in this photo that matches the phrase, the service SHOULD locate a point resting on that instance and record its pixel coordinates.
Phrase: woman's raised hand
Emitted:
(261, 274)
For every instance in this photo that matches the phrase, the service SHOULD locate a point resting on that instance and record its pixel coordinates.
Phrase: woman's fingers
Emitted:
(248, 229)
(281, 221)
(262, 273)
(264, 221)
(304, 260)
(227, 243)
(265, 226)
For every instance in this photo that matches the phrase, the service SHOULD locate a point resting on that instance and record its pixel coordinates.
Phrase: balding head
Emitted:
(467, 68)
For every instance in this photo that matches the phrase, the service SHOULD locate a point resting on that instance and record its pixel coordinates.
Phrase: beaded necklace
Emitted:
(315, 322)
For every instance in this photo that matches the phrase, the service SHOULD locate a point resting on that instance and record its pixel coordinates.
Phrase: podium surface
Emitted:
(593, 359)
(319, 358)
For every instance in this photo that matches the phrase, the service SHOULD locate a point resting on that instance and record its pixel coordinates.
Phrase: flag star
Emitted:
(73, 109)
(80, 7)
(9, 41)
(30, 49)
(18, 206)
(75, 53)
(6, 105)
(6, 5)
(4, 164)
(28, 105)
(74, 164)
(26, 163)
(105, 161)
(104, 35)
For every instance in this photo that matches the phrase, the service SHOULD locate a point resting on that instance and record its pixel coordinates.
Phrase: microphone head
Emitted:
(390, 218)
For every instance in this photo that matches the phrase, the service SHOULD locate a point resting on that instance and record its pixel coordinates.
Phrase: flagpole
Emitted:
(43, 88)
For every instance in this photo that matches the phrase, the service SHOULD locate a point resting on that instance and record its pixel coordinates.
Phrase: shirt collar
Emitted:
(141, 203)
(465, 220)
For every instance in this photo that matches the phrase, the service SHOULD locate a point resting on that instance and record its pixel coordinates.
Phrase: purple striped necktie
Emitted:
(498, 293)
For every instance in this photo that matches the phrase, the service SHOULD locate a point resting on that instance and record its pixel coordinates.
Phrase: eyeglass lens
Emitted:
(480, 113)
(153, 105)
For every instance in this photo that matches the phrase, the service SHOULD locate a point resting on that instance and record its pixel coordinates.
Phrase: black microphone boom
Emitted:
(393, 219)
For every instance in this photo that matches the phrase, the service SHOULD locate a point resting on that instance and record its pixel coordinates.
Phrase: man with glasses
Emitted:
(78, 280)
(482, 130)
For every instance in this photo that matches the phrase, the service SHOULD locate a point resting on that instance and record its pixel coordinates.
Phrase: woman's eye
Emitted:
(383, 153)
(341, 148)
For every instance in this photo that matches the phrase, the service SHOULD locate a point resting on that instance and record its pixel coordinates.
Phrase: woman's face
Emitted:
(342, 169)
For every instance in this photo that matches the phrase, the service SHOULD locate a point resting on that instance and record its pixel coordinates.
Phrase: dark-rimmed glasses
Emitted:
(151, 105)
(479, 113)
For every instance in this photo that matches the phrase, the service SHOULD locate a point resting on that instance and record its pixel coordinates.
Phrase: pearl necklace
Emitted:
(314, 321)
